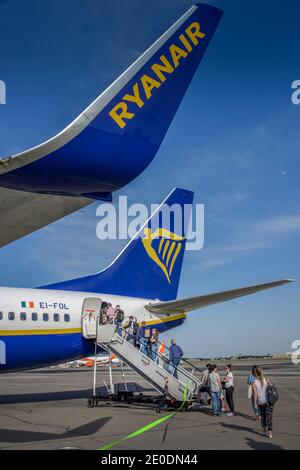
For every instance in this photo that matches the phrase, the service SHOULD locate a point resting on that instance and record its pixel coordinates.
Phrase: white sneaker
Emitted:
(229, 414)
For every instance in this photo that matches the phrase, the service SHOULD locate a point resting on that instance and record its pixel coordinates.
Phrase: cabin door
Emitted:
(90, 315)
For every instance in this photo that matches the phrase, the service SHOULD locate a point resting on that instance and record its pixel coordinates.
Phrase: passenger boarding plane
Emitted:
(113, 140)
(52, 324)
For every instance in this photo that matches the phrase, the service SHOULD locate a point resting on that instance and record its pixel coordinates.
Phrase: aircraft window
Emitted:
(1, 315)
(34, 316)
(11, 315)
(66, 317)
(56, 317)
(45, 316)
(23, 316)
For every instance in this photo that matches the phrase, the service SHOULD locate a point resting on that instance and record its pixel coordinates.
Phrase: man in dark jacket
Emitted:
(119, 319)
(175, 355)
(141, 339)
(131, 327)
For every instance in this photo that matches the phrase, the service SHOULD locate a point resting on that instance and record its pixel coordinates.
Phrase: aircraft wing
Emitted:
(194, 303)
(114, 139)
(23, 213)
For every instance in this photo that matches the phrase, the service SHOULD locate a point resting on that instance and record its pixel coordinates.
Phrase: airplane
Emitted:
(100, 360)
(57, 323)
(113, 140)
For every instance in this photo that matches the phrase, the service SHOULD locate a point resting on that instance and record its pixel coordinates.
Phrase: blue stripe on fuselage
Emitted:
(32, 351)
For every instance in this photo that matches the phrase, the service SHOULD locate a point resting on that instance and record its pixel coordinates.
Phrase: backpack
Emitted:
(272, 394)
(135, 328)
(120, 315)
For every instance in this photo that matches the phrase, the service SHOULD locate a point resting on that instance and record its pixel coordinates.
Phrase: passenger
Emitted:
(132, 328)
(140, 337)
(250, 381)
(119, 317)
(144, 339)
(163, 398)
(175, 355)
(229, 389)
(153, 345)
(103, 313)
(110, 314)
(265, 408)
(215, 390)
(204, 390)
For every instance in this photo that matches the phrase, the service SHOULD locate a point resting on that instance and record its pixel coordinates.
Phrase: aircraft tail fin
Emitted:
(150, 265)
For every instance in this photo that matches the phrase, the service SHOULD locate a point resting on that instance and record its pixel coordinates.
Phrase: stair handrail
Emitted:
(164, 359)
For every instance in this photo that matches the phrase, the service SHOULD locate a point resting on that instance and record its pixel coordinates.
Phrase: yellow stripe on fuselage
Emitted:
(62, 331)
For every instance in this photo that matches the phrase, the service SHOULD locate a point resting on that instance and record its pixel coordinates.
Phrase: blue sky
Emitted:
(234, 141)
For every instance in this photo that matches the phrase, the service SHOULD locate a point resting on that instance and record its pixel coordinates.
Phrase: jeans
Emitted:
(175, 364)
(119, 327)
(154, 348)
(143, 347)
(162, 402)
(216, 403)
(229, 398)
(254, 406)
(266, 415)
(131, 339)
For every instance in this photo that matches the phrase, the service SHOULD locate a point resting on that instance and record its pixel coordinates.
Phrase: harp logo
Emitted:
(163, 247)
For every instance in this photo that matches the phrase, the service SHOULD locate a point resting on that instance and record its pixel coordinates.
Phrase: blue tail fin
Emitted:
(150, 265)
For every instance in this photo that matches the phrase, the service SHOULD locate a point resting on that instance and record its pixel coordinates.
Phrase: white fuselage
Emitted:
(40, 327)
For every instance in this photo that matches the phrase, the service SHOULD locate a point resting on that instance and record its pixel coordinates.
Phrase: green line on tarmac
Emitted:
(149, 426)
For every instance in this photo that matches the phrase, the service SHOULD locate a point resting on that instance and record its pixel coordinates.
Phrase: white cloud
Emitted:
(279, 225)
(246, 237)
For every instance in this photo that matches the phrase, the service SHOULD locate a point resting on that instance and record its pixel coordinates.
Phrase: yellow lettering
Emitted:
(193, 32)
(135, 98)
(185, 42)
(176, 54)
(164, 67)
(148, 84)
(119, 113)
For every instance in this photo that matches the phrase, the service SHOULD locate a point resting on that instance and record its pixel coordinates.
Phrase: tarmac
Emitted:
(47, 409)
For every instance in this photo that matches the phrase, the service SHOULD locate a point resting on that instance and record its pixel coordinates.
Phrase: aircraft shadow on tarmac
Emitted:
(67, 395)
(13, 435)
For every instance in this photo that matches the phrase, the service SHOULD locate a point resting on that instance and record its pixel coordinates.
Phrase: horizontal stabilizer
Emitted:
(194, 303)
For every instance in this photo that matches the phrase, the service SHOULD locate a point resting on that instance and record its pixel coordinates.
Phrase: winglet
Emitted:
(119, 134)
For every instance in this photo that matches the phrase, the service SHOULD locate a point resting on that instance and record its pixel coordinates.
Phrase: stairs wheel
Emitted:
(91, 403)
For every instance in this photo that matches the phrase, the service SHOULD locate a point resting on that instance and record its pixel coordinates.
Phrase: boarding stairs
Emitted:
(154, 372)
